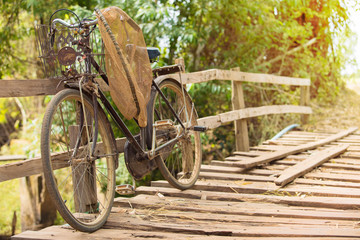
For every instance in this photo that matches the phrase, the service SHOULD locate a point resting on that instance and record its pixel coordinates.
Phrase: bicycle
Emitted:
(78, 147)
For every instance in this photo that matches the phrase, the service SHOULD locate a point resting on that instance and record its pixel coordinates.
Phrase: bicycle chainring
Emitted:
(137, 165)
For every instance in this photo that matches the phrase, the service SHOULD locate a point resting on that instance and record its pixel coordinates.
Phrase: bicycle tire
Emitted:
(180, 166)
(84, 210)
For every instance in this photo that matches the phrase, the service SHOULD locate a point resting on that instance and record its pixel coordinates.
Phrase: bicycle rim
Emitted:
(81, 187)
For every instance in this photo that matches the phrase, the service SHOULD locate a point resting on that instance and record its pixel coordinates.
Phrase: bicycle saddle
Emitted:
(153, 53)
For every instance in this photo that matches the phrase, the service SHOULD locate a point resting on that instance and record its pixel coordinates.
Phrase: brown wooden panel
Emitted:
(250, 187)
(235, 208)
(291, 150)
(34, 166)
(238, 102)
(35, 87)
(309, 164)
(215, 121)
(309, 201)
(31, 87)
(217, 74)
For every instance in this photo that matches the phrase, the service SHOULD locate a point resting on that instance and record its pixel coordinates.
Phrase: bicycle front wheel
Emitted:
(179, 163)
(80, 183)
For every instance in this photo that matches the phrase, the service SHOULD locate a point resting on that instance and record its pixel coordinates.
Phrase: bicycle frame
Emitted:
(120, 123)
(140, 148)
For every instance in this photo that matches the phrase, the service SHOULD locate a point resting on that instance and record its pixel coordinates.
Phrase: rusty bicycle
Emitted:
(78, 148)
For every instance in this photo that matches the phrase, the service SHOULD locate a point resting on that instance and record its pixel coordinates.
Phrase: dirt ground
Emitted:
(344, 113)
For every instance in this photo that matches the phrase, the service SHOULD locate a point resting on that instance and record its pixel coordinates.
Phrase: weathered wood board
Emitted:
(34, 166)
(293, 150)
(310, 163)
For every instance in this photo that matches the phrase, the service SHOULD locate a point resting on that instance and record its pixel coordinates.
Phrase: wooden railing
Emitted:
(239, 114)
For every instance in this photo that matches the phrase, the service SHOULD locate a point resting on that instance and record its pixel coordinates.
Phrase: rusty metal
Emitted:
(63, 51)
(137, 165)
(67, 56)
(166, 70)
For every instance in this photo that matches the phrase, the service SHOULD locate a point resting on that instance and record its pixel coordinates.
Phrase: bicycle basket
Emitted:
(61, 56)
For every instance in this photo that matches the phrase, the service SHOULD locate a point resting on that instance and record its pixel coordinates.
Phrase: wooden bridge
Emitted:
(304, 184)
(231, 202)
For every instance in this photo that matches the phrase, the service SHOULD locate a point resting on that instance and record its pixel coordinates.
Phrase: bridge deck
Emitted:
(229, 202)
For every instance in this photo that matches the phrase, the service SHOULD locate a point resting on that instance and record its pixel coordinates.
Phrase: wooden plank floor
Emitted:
(229, 202)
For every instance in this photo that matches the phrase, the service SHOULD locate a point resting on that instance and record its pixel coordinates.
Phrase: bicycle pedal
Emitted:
(200, 128)
(125, 189)
(163, 124)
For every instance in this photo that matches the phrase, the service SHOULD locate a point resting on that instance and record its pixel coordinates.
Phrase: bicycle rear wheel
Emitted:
(81, 186)
(179, 163)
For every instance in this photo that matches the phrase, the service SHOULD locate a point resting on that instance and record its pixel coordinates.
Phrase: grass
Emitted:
(27, 143)
(9, 202)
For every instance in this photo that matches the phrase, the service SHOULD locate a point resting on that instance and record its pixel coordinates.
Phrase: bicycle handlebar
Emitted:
(84, 24)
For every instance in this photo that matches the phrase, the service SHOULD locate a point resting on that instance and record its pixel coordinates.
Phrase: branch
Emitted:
(23, 113)
(310, 42)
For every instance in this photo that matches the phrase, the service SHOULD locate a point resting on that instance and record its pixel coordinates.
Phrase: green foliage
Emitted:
(213, 98)
(296, 38)
(12, 30)
(3, 110)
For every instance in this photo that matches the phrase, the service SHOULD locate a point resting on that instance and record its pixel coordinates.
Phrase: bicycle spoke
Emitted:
(63, 150)
(63, 124)
(180, 163)
(102, 174)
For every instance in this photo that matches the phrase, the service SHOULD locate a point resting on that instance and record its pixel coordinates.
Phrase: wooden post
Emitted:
(84, 183)
(37, 209)
(304, 101)
(181, 62)
(241, 130)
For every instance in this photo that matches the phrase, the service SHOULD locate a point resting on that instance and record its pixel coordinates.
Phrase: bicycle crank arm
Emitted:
(198, 128)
